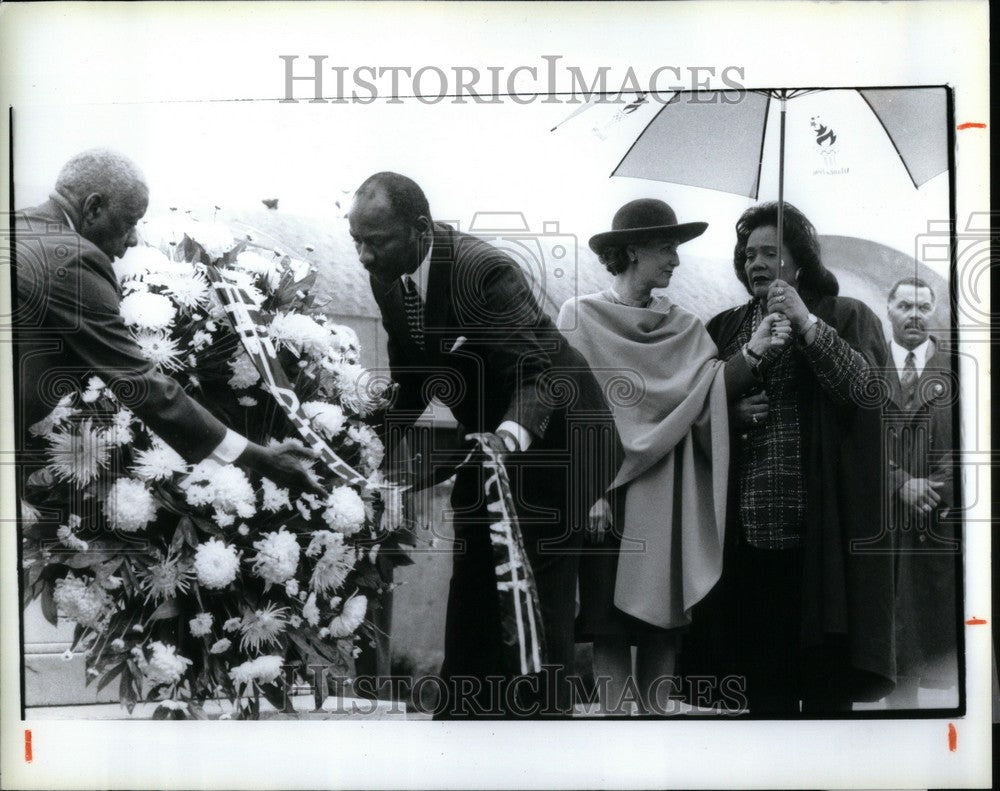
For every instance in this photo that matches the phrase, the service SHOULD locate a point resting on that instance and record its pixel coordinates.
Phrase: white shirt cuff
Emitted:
(522, 434)
(229, 450)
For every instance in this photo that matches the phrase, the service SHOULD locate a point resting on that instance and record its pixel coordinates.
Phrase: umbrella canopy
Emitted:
(715, 140)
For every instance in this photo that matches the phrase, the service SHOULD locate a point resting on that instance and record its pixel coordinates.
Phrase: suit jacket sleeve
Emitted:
(87, 310)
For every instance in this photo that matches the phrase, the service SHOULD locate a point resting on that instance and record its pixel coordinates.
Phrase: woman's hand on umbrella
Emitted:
(784, 299)
(751, 410)
(600, 521)
(773, 332)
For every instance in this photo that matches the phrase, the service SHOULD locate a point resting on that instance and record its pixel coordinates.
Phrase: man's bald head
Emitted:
(108, 193)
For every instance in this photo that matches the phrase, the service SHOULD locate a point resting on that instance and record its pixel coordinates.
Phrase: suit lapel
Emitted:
(925, 394)
(390, 301)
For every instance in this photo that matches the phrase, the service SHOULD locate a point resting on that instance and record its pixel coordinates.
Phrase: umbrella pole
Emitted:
(781, 181)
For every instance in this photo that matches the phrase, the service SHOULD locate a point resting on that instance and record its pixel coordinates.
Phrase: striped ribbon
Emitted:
(246, 321)
(520, 614)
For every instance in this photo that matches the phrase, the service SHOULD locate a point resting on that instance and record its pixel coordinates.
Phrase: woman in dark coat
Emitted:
(804, 610)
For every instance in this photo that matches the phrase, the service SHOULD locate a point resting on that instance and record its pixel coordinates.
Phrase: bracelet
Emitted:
(752, 353)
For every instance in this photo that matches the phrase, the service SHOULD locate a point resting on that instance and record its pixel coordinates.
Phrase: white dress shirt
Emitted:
(919, 356)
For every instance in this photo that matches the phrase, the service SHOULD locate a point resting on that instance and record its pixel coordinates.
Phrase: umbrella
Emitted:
(715, 139)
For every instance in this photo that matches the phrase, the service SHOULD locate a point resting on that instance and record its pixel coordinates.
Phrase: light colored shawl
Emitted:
(665, 384)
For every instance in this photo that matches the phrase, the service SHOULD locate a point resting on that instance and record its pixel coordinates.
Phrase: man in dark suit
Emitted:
(464, 325)
(918, 427)
(68, 328)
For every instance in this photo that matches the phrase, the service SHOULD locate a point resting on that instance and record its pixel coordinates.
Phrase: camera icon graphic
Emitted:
(547, 258)
(974, 248)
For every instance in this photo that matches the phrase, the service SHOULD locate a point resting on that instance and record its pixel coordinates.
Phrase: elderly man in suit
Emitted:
(921, 491)
(462, 321)
(67, 321)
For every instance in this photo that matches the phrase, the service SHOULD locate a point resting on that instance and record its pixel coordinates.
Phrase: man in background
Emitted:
(921, 491)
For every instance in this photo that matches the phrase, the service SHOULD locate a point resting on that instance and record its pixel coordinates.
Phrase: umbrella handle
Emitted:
(781, 180)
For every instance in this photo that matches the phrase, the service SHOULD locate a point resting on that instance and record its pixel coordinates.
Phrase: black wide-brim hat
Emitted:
(644, 219)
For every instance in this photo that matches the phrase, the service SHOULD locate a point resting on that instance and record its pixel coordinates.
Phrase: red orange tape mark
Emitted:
(27, 746)
(972, 125)
(974, 621)
(952, 738)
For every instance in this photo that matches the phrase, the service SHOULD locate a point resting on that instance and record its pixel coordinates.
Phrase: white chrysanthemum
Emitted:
(138, 262)
(350, 618)
(55, 418)
(78, 454)
(336, 560)
(232, 624)
(220, 646)
(245, 373)
(201, 624)
(247, 401)
(214, 237)
(95, 386)
(301, 333)
(200, 340)
(216, 564)
(262, 627)
(310, 611)
(148, 311)
(327, 419)
(372, 449)
(224, 487)
(118, 644)
(160, 349)
(69, 539)
(164, 666)
(165, 579)
(267, 268)
(261, 670)
(274, 497)
(359, 392)
(345, 339)
(129, 506)
(86, 603)
(188, 290)
(158, 463)
(116, 435)
(277, 556)
(345, 511)
(292, 588)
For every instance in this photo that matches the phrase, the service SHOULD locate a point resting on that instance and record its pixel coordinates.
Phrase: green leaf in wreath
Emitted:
(168, 609)
(49, 609)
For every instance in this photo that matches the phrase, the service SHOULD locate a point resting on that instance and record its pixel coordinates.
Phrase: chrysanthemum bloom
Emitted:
(310, 611)
(189, 290)
(158, 463)
(147, 311)
(360, 391)
(245, 373)
(247, 401)
(372, 449)
(164, 665)
(224, 487)
(327, 419)
(350, 618)
(300, 333)
(200, 340)
(345, 510)
(214, 237)
(262, 627)
(160, 349)
(129, 506)
(139, 261)
(118, 644)
(68, 539)
(335, 562)
(86, 603)
(262, 670)
(277, 556)
(168, 577)
(116, 435)
(274, 497)
(201, 624)
(95, 386)
(215, 564)
(78, 453)
(220, 646)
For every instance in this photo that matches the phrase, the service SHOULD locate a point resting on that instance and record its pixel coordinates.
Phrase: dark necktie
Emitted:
(908, 381)
(414, 310)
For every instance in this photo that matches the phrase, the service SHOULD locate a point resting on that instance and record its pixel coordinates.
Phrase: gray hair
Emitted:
(103, 171)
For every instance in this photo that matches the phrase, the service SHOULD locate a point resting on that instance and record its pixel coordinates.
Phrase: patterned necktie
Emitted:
(908, 381)
(414, 310)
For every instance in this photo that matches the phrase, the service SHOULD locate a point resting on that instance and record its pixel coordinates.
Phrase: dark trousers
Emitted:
(477, 681)
(767, 623)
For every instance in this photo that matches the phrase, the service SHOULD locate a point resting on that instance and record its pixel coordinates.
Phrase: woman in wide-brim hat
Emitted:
(657, 538)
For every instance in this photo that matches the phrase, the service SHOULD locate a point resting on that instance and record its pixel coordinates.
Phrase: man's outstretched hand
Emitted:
(287, 464)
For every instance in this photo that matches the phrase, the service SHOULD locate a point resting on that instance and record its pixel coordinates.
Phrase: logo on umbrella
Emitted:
(825, 139)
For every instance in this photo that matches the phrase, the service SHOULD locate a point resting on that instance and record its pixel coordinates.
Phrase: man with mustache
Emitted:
(921, 487)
